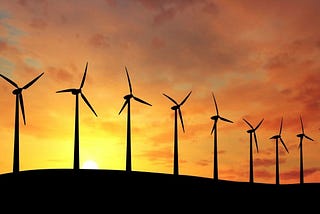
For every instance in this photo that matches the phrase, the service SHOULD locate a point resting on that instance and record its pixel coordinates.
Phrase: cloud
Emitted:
(99, 41)
(158, 43)
(59, 74)
(166, 10)
(38, 23)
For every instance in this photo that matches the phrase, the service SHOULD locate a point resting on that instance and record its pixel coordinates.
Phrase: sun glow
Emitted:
(90, 164)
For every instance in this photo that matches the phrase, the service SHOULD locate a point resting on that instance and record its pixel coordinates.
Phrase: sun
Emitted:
(90, 164)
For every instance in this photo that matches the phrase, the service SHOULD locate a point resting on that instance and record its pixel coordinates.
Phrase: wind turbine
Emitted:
(301, 136)
(76, 92)
(19, 101)
(252, 131)
(127, 103)
(177, 110)
(214, 130)
(277, 138)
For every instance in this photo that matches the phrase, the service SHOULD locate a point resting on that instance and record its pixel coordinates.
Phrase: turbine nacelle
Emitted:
(300, 135)
(175, 107)
(215, 117)
(250, 131)
(127, 97)
(17, 91)
(76, 91)
(275, 137)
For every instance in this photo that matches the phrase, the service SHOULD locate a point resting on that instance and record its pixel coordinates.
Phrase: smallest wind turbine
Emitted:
(252, 131)
(301, 136)
(277, 138)
(177, 110)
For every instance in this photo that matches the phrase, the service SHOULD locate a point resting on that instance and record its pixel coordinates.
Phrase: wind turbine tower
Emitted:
(127, 99)
(19, 101)
(76, 92)
(177, 110)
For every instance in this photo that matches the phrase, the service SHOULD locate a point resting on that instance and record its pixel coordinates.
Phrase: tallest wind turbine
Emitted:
(19, 101)
(76, 92)
(127, 103)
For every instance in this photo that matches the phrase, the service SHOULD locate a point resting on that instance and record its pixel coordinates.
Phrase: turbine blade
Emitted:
(180, 115)
(22, 108)
(87, 102)
(299, 146)
(129, 82)
(309, 138)
(281, 126)
(32, 81)
(171, 99)
(124, 105)
(215, 103)
(141, 101)
(184, 100)
(66, 90)
(10, 81)
(259, 124)
(248, 123)
(284, 145)
(225, 119)
(255, 140)
(214, 126)
(301, 125)
(84, 76)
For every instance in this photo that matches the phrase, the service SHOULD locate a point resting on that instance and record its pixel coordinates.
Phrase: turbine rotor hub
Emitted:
(17, 91)
(175, 107)
(129, 96)
(76, 91)
(215, 117)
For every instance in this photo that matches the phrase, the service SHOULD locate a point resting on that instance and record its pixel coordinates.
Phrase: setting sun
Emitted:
(90, 164)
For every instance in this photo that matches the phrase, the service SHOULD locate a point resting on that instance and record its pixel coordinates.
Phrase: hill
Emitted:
(118, 189)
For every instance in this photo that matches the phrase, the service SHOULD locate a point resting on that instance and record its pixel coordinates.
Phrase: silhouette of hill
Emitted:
(146, 191)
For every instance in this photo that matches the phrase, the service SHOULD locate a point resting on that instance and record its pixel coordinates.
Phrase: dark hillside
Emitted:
(118, 189)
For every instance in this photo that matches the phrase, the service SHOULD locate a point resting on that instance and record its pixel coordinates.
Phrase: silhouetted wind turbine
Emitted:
(76, 92)
(19, 100)
(127, 103)
(177, 111)
(301, 136)
(215, 118)
(277, 138)
(252, 131)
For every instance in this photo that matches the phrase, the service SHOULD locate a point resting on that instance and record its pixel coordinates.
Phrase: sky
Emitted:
(259, 58)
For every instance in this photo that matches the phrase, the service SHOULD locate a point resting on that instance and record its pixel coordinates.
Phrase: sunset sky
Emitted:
(261, 59)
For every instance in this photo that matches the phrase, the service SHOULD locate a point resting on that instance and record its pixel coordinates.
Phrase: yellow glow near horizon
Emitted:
(90, 164)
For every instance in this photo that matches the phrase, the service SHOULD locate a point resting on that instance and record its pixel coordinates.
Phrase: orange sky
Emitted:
(260, 58)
